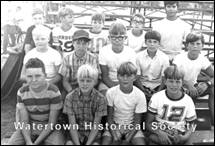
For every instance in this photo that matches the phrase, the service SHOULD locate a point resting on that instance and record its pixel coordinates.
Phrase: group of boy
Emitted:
(114, 69)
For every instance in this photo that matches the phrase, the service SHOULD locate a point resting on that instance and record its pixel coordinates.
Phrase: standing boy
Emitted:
(39, 104)
(85, 106)
(126, 104)
(171, 115)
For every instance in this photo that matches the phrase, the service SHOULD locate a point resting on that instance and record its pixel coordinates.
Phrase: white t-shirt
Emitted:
(50, 58)
(173, 112)
(172, 35)
(126, 105)
(191, 68)
(97, 41)
(135, 42)
(113, 60)
(151, 69)
(64, 38)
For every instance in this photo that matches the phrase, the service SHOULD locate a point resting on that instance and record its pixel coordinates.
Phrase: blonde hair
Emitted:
(87, 71)
(41, 30)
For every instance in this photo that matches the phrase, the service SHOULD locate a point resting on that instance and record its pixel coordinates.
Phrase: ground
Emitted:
(8, 116)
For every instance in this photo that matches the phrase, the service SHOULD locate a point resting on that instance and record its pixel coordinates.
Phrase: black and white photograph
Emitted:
(107, 72)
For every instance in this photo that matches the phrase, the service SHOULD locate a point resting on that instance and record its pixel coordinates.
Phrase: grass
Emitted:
(8, 108)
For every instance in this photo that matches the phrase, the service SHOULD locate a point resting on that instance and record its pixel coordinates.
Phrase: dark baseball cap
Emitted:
(81, 34)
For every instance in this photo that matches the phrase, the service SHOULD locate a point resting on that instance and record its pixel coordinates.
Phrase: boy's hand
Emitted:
(164, 138)
(201, 88)
(177, 138)
(193, 91)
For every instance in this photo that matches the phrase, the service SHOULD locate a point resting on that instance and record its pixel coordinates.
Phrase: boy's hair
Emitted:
(171, 3)
(98, 17)
(117, 28)
(64, 12)
(37, 11)
(35, 63)
(195, 36)
(139, 16)
(127, 68)
(87, 71)
(41, 30)
(172, 72)
(153, 35)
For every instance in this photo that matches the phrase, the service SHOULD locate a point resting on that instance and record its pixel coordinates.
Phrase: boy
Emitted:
(192, 63)
(50, 57)
(38, 19)
(171, 115)
(151, 64)
(113, 55)
(85, 106)
(39, 104)
(126, 104)
(77, 58)
(98, 36)
(62, 36)
(172, 29)
(136, 35)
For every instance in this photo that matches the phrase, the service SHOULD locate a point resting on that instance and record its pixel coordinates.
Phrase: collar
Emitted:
(80, 58)
(83, 98)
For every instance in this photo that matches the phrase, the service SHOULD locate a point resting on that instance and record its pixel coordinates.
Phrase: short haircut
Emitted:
(98, 17)
(171, 3)
(153, 35)
(35, 63)
(195, 36)
(37, 11)
(64, 12)
(117, 28)
(172, 72)
(41, 30)
(139, 16)
(87, 71)
(127, 68)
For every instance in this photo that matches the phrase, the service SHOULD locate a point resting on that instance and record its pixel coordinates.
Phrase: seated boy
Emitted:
(113, 55)
(39, 103)
(85, 106)
(151, 64)
(126, 104)
(192, 63)
(171, 112)
(98, 36)
(136, 35)
(77, 58)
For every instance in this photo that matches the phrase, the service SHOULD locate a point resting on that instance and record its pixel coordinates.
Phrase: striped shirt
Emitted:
(40, 104)
(72, 62)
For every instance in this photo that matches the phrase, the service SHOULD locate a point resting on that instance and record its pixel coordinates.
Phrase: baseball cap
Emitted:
(81, 34)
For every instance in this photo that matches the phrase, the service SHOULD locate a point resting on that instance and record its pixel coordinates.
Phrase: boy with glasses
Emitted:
(113, 55)
(136, 35)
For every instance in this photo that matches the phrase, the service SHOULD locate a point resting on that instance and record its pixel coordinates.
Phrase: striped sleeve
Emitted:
(153, 105)
(56, 102)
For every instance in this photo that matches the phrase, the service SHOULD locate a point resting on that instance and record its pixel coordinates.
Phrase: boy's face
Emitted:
(173, 85)
(86, 84)
(41, 40)
(97, 25)
(194, 48)
(171, 10)
(68, 19)
(38, 19)
(35, 77)
(137, 23)
(152, 45)
(117, 40)
(126, 81)
(80, 44)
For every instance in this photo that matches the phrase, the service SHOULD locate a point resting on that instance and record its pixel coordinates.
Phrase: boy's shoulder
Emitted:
(24, 88)
(53, 88)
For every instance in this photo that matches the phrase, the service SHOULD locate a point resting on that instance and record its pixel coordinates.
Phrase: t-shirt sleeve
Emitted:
(153, 104)
(141, 103)
(102, 57)
(20, 104)
(138, 65)
(205, 63)
(191, 112)
(56, 101)
(109, 98)
(58, 59)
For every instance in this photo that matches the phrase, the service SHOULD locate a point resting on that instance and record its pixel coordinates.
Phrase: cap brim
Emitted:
(82, 38)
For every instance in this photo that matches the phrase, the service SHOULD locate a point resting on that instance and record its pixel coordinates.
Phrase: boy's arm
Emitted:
(52, 121)
(57, 77)
(137, 121)
(210, 72)
(24, 118)
(110, 121)
(105, 76)
(94, 131)
(73, 132)
(66, 84)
